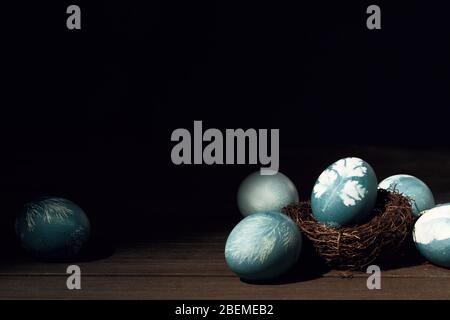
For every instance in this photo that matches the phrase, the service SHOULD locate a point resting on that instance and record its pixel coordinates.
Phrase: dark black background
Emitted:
(88, 114)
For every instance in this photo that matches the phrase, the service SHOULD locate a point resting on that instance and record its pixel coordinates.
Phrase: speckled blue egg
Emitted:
(345, 193)
(52, 228)
(264, 193)
(432, 235)
(263, 246)
(415, 189)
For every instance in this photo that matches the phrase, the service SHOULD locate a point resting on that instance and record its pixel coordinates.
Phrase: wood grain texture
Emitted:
(213, 287)
(194, 268)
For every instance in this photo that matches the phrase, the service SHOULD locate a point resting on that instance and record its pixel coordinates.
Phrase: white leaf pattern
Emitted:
(350, 167)
(267, 245)
(287, 236)
(49, 209)
(345, 169)
(260, 230)
(326, 179)
(352, 192)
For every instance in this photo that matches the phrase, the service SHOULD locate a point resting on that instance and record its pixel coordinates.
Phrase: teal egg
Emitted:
(345, 193)
(263, 246)
(415, 189)
(432, 235)
(263, 193)
(53, 228)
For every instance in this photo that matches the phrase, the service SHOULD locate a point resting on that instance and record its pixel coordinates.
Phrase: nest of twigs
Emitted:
(353, 248)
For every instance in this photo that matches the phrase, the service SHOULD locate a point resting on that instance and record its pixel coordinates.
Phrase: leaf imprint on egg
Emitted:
(258, 238)
(352, 191)
(49, 209)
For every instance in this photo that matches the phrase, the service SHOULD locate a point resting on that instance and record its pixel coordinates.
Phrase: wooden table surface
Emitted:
(194, 268)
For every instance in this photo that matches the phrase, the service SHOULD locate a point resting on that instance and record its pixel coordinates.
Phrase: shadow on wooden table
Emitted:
(98, 248)
(408, 256)
(310, 266)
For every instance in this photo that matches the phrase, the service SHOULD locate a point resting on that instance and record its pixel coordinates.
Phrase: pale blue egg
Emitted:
(432, 235)
(263, 193)
(415, 189)
(263, 246)
(345, 193)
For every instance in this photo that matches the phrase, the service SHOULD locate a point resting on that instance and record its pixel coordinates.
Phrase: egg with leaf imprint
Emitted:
(53, 228)
(345, 193)
(432, 235)
(263, 246)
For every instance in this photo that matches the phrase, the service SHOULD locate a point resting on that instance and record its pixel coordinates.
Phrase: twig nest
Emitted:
(355, 247)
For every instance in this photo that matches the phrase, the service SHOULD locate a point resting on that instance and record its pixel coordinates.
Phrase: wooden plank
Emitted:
(179, 258)
(195, 268)
(126, 287)
(216, 267)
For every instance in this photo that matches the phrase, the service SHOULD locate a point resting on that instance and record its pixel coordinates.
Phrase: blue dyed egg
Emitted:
(264, 193)
(415, 189)
(345, 193)
(263, 246)
(432, 235)
(53, 228)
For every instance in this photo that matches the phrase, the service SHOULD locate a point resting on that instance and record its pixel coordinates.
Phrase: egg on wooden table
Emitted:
(415, 189)
(345, 193)
(52, 228)
(263, 246)
(432, 235)
(263, 193)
